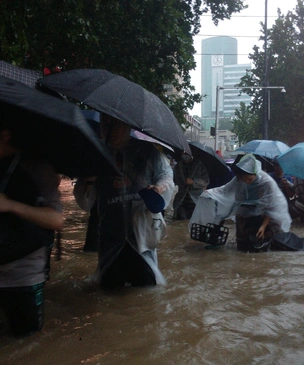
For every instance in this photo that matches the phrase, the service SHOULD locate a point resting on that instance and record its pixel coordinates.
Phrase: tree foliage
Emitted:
(245, 124)
(285, 54)
(147, 41)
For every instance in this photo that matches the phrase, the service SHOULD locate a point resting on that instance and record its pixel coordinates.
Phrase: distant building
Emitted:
(220, 68)
(192, 133)
(233, 98)
(227, 141)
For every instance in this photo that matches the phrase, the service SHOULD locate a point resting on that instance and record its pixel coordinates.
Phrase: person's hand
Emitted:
(287, 184)
(189, 181)
(288, 187)
(4, 203)
(157, 188)
(261, 232)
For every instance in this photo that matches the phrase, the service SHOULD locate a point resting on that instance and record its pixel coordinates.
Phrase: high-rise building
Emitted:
(232, 98)
(220, 68)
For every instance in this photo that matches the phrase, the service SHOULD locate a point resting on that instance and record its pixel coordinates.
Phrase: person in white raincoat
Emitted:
(252, 198)
(128, 231)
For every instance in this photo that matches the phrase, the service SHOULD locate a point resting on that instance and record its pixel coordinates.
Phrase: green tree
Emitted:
(245, 124)
(147, 41)
(285, 53)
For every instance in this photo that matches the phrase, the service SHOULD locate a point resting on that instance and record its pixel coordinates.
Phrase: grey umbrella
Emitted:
(122, 99)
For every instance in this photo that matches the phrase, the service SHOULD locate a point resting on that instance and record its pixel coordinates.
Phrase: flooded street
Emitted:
(219, 307)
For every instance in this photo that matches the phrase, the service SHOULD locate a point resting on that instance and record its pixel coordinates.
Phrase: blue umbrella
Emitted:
(266, 148)
(292, 161)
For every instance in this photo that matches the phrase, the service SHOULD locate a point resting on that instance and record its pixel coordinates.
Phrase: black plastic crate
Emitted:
(212, 234)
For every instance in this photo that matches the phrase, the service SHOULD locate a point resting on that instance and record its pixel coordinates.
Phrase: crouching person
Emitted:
(253, 199)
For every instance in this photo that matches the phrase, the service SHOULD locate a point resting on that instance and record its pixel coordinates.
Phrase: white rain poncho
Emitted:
(123, 213)
(261, 197)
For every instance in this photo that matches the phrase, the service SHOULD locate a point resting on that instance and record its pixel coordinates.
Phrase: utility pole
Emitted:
(266, 80)
(217, 114)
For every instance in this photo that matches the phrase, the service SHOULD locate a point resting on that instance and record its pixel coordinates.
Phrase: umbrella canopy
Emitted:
(266, 148)
(53, 129)
(215, 165)
(122, 99)
(292, 161)
(24, 75)
(138, 135)
(93, 118)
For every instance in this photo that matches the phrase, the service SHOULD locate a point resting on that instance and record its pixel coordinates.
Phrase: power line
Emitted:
(239, 36)
(226, 54)
(244, 16)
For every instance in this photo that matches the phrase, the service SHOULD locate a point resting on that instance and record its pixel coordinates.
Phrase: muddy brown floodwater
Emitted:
(219, 307)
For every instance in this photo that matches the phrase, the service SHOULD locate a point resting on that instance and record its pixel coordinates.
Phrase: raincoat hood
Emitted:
(249, 164)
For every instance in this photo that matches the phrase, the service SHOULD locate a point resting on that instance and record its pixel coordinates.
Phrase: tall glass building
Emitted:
(220, 68)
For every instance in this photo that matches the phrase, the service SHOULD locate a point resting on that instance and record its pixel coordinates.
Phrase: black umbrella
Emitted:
(218, 170)
(24, 75)
(122, 99)
(215, 165)
(93, 118)
(53, 129)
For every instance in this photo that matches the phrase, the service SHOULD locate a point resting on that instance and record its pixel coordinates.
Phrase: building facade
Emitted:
(220, 68)
(231, 99)
(192, 133)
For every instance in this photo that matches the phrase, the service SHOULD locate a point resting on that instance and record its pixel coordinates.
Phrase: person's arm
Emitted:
(44, 217)
(261, 230)
(200, 178)
(163, 177)
(288, 188)
(197, 182)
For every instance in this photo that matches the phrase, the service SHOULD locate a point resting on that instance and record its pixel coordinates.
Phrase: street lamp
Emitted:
(219, 88)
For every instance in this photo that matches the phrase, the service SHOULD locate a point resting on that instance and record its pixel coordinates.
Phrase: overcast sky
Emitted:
(244, 26)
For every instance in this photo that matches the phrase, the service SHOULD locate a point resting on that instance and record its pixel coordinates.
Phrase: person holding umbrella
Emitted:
(129, 208)
(30, 212)
(41, 136)
(286, 184)
(192, 178)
